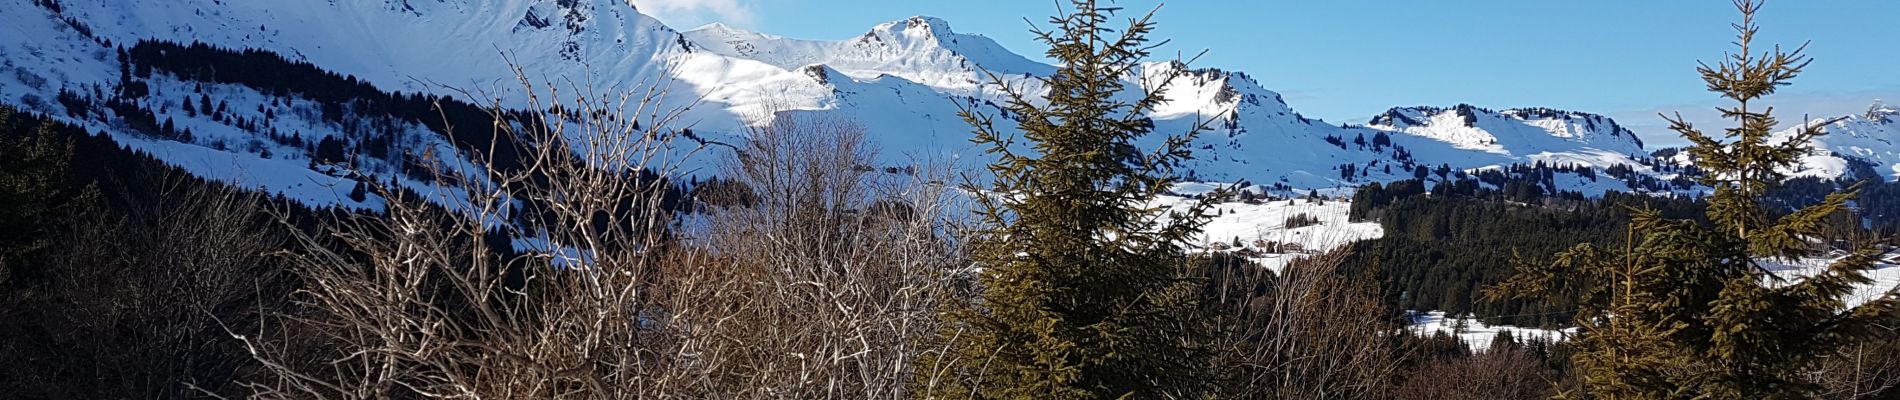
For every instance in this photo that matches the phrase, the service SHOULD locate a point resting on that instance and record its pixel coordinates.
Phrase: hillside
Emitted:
(904, 81)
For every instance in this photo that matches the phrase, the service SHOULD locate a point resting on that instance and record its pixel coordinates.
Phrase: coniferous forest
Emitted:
(487, 249)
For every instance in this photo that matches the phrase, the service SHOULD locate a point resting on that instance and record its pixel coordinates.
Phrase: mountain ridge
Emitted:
(904, 80)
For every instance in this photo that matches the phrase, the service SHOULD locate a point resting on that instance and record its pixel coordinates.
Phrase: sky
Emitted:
(1347, 60)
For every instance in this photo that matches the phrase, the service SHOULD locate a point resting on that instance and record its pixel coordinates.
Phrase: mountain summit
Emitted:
(904, 81)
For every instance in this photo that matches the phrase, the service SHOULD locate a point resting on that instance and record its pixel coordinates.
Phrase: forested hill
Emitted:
(1444, 245)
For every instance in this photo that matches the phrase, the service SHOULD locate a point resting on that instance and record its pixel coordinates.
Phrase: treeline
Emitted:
(1877, 203)
(340, 96)
(368, 121)
(1450, 235)
(1443, 247)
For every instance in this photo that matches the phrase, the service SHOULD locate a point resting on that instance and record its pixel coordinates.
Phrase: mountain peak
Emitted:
(914, 30)
(906, 80)
(721, 33)
(920, 27)
(1882, 111)
(717, 27)
(921, 49)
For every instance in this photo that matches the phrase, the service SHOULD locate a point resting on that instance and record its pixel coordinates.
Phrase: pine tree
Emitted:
(1692, 310)
(33, 163)
(1084, 289)
(359, 193)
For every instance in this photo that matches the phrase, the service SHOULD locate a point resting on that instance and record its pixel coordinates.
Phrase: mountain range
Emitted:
(904, 81)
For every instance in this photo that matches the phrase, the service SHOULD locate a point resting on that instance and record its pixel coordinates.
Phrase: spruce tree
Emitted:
(1084, 289)
(33, 168)
(1697, 310)
(359, 193)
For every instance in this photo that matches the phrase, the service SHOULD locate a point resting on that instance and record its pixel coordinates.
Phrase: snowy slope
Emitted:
(1527, 135)
(1512, 131)
(1868, 138)
(1264, 233)
(918, 49)
(400, 44)
(1476, 334)
(905, 80)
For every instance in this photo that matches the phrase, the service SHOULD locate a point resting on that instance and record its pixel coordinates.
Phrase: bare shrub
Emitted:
(1862, 370)
(1511, 374)
(1306, 333)
(571, 277)
(835, 269)
(431, 298)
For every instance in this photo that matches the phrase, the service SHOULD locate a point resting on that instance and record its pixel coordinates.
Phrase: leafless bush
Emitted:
(429, 298)
(835, 270)
(1866, 370)
(807, 292)
(1307, 333)
(1502, 373)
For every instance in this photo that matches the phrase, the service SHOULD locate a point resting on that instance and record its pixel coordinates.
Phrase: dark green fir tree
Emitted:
(1085, 289)
(33, 160)
(1689, 309)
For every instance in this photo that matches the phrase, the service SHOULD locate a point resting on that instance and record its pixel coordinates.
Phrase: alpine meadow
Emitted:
(575, 199)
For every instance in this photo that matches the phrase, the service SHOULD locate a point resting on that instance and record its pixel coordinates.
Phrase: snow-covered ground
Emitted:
(1266, 238)
(1886, 275)
(1261, 226)
(1869, 137)
(1475, 333)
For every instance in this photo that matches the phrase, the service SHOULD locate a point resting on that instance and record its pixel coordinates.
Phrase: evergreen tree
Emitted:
(1084, 289)
(33, 163)
(1693, 310)
(359, 193)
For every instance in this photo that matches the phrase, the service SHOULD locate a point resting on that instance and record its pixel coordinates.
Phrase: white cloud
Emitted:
(696, 12)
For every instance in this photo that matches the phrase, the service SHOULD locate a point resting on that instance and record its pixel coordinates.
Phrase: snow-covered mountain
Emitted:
(904, 81)
(1866, 142)
(1512, 131)
(919, 49)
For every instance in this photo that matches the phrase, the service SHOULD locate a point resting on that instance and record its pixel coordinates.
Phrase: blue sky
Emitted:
(1345, 60)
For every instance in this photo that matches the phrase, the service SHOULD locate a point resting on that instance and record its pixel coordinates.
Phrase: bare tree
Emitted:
(520, 275)
(1502, 373)
(1862, 370)
(836, 267)
(1306, 333)
(572, 276)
